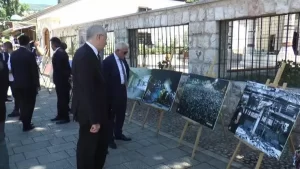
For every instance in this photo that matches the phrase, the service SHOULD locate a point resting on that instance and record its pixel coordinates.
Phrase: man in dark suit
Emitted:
(61, 77)
(26, 80)
(5, 56)
(116, 71)
(89, 104)
(8, 49)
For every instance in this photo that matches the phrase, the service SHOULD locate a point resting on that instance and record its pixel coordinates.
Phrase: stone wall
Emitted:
(203, 18)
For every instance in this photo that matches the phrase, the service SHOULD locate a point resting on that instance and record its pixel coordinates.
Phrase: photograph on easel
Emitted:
(137, 83)
(161, 89)
(265, 117)
(202, 99)
(182, 81)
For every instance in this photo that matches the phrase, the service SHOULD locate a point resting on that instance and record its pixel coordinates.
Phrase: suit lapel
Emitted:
(95, 60)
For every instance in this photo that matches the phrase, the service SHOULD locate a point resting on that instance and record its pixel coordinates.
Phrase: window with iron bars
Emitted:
(157, 47)
(72, 44)
(251, 49)
(110, 46)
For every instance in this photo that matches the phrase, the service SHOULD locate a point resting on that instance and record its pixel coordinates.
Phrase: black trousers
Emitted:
(118, 110)
(63, 99)
(2, 110)
(27, 98)
(91, 148)
(17, 102)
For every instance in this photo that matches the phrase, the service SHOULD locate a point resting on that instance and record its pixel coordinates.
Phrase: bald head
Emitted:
(97, 36)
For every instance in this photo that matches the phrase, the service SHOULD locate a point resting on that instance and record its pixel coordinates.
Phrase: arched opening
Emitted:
(47, 41)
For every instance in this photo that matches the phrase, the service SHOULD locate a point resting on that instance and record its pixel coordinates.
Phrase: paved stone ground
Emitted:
(211, 140)
(52, 146)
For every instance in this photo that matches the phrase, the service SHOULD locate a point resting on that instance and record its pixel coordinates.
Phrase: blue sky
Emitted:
(47, 2)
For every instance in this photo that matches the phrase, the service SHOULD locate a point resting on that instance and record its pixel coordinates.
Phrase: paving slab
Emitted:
(52, 146)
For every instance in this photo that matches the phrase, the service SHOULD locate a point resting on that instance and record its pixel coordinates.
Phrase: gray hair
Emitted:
(94, 30)
(121, 45)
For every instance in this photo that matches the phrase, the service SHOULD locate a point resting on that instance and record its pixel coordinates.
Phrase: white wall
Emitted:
(91, 10)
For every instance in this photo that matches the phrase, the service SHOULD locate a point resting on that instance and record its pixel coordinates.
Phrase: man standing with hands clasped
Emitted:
(116, 71)
(89, 104)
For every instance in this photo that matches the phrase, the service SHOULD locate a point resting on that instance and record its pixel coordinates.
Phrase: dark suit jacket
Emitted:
(24, 69)
(61, 67)
(4, 80)
(89, 104)
(6, 57)
(112, 77)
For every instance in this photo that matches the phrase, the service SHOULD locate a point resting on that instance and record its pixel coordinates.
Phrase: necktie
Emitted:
(98, 56)
(123, 71)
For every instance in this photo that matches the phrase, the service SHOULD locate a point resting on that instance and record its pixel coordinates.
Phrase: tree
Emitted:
(11, 7)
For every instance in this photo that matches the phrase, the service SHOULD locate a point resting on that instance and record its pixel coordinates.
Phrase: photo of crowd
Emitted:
(202, 99)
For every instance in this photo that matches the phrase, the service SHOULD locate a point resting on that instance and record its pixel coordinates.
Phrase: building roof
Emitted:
(50, 9)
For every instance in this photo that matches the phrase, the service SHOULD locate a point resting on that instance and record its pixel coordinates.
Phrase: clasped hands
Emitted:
(95, 128)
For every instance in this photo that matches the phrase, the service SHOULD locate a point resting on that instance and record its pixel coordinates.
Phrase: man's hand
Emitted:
(95, 128)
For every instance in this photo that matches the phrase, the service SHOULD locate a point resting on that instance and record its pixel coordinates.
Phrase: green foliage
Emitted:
(291, 74)
(12, 7)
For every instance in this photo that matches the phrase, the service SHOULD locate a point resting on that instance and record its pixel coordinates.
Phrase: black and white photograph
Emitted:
(265, 117)
(183, 79)
(137, 83)
(161, 89)
(202, 99)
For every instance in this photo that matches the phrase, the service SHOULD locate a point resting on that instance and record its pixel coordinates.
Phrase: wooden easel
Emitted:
(161, 115)
(188, 122)
(261, 154)
(131, 113)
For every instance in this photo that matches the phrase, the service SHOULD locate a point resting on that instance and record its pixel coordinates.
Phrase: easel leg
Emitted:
(223, 125)
(233, 155)
(145, 119)
(183, 132)
(197, 141)
(292, 145)
(131, 113)
(160, 120)
(261, 156)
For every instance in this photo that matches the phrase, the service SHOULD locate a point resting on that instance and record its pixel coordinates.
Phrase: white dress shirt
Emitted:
(11, 77)
(119, 63)
(94, 48)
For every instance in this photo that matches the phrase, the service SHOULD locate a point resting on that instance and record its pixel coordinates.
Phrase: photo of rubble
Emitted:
(202, 99)
(265, 117)
(137, 83)
(161, 89)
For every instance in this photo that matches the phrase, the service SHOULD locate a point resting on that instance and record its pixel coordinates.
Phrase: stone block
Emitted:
(196, 28)
(178, 18)
(282, 6)
(201, 14)
(295, 6)
(229, 12)
(32, 147)
(269, 6)
(210, 14)
(134, 22)
(241, 9)
(203, 41)
(61, 147)
(27, 163)
(171, 18)
(164, 20)
(210, 54)
(193, 14)
(185, 17)
(36, 153)
(214, 41)
(151, 21)
(255, 8)
(16, 158)
(219, 13)
(211, 27)
(141, 22)
(157, 21)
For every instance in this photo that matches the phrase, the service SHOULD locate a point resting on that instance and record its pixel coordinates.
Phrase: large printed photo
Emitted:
(161, 89)
(265, 117)
(202, 99)
(137, 83)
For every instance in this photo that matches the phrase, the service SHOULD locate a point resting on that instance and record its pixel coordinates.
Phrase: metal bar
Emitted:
(174, 50)
(287, 35)
(180, 52)
(246, 32)
(144, 63)
(297, 52)
(260, 40)
(253, 45)
(238, 51)
(277, 46)
(270, 19)
(155, 35)
(231, 36)
(221, 47)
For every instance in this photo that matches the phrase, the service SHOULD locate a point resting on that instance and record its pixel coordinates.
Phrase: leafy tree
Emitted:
(11, 7)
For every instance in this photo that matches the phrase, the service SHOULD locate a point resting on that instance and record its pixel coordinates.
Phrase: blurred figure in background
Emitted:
(8, 49)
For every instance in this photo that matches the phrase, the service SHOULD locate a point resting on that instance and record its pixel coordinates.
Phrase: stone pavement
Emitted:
(53, 146)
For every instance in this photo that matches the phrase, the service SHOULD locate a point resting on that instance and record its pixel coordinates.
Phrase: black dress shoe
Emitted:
(56, 119)
(30, 127)
(63, 122)
(14, 114)
(112, 145)
(123, 138)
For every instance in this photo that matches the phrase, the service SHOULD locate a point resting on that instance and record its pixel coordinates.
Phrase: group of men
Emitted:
(99, 91)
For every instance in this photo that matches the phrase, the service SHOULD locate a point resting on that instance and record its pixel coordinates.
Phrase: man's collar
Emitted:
(56, 49)
(93, 47)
